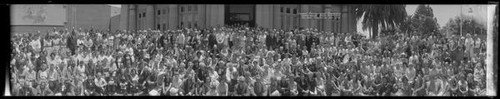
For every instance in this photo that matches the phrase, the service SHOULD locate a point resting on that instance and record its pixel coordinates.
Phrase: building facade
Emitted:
(278, 16)
(78, 16)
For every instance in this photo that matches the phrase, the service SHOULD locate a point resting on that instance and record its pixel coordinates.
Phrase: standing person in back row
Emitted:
(71, 42)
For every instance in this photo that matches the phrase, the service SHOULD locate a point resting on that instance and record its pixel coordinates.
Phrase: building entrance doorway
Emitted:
(239, 14)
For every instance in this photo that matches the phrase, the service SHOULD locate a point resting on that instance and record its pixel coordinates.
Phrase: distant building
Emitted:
(280, 16)
(59, 16)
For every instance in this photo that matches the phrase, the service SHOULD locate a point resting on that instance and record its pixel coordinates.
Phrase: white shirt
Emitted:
(36, 44)
(43, 74)
(79, 41)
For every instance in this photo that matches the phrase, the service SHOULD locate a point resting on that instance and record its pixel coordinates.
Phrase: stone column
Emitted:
(271, 16)
(150, 17)
(259, 15)
(304, 23)
(209, 14)
(173, 16)
(220, 15)
(124, 17)
(277, 16)
(132, 26)
(328, 22)
(201, 15)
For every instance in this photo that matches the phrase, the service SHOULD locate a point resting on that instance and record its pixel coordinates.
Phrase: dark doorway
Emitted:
(239, 14)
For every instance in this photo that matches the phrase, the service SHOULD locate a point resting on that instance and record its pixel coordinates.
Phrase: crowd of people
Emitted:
(243, 61)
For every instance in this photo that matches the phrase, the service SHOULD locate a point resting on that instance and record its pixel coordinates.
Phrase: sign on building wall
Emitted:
(328, 15)
(38, 14)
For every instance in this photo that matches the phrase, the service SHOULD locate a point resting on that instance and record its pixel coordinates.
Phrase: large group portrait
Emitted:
(253, 50)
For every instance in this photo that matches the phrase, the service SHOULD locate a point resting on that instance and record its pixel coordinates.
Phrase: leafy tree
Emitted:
(406, 26)
(386, 16)
(423, 21)
(468, 26)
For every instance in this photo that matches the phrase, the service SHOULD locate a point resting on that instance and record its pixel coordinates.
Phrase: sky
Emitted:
(116, 5)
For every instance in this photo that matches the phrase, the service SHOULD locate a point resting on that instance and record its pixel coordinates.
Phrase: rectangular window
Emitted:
(159, 12)
(182, 9)
(158, 26)
(139, 15)
(294, 11)
(281, 10)
(144, 14)
(287, 10)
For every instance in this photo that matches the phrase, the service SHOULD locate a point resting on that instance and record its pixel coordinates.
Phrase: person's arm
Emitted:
(96, 82)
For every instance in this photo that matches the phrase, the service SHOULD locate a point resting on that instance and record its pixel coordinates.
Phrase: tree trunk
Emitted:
(374, 30)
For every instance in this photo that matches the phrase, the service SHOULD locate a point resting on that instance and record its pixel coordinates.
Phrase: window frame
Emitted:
(182, 9)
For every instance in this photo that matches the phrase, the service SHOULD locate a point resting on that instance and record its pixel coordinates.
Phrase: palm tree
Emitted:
(386, 16)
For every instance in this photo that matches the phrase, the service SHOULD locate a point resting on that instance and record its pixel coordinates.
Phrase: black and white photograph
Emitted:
(253, 50)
